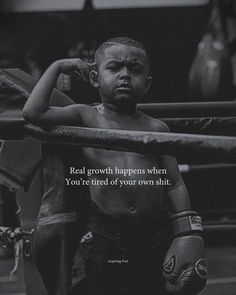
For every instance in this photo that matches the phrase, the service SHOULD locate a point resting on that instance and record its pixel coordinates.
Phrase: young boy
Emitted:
(123, 251)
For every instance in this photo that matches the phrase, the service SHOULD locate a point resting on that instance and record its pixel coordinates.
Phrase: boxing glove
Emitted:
(185, 267)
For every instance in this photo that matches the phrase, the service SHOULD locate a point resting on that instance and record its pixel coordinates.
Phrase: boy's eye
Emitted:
(137, 69)
(113, 67)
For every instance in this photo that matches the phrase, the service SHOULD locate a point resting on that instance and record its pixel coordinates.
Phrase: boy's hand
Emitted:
(75, 67)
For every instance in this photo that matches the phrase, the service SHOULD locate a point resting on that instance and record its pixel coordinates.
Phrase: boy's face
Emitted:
(123, 74)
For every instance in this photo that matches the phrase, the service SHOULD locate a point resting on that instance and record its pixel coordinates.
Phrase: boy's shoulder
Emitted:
(155, 124)
(77, 107)
(72, 114)
(80, 109)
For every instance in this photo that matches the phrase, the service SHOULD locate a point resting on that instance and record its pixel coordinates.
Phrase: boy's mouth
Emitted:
(124, 87)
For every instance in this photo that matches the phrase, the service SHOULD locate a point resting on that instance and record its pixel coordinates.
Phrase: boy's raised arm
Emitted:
(37, 108)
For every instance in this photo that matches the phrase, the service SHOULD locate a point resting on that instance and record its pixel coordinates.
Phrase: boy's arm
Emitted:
(176, 194)
(37, 108)
(185, 267)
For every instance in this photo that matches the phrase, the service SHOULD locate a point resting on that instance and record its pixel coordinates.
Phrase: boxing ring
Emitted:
(201, 133)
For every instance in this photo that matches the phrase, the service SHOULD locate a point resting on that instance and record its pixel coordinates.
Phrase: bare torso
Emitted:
(132, 195)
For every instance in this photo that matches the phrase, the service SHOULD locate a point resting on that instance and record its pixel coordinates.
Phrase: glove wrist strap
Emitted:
(186, 222)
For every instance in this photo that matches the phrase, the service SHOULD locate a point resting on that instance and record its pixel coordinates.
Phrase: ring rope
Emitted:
(191, 147)
(189, 109)
(208, 125)
(13, 129)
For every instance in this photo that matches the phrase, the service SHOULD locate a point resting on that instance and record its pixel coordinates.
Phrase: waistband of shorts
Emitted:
(128, 219)
(115, 228)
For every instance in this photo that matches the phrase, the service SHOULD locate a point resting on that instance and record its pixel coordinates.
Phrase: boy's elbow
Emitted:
(30, 116)
(25, 114)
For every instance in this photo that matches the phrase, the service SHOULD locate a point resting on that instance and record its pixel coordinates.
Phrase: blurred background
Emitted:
(192, 44)
(33, 34)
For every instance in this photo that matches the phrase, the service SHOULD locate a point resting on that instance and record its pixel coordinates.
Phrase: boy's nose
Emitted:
(125, 74)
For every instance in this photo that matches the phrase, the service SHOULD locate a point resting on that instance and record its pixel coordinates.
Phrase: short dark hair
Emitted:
(123, 41)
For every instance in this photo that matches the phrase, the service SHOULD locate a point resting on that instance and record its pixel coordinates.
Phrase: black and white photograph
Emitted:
(117, 147)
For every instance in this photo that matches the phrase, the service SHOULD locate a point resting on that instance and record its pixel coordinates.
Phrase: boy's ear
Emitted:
(93, 78)
(148, 83)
